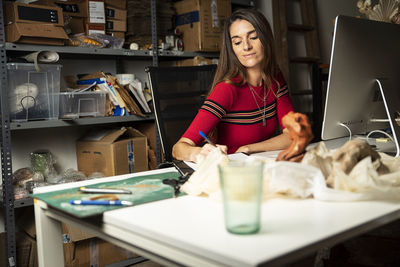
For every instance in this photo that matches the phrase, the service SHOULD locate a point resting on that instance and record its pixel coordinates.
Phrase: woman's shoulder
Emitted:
(224, 86)
(278, 81)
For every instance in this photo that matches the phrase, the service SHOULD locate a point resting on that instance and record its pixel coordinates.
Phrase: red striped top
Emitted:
(233, 110)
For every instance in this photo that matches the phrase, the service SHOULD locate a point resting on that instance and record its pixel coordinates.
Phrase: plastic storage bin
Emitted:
(33, 94)
(82, 104)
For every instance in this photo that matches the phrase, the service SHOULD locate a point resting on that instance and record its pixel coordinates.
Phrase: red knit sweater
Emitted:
(233, 110)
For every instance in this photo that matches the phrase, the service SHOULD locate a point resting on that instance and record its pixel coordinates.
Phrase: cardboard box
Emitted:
(94, 28)
(80, 248)
(73, 234)
(3, 257)
(26, 250)
(96, 12)
(35, 34)
(116, 25)
(94, 252)
(115, 13)
(115, 152)
(27, 13)
(76, 25)
(117, 34)
(73, 8)
(121, 4)
(197, 61)
(201, 24)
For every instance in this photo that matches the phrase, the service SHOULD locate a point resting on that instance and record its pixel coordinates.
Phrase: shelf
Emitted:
(77, 122)
(247, 3)
(18, 203)
(104, 51)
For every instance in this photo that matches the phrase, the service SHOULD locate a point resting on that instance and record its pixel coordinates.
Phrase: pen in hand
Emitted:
(207, 139)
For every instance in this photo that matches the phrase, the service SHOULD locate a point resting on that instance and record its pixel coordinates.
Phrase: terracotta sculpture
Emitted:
(299, 128)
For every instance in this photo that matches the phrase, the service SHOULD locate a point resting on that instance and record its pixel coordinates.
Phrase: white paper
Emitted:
(140, 99)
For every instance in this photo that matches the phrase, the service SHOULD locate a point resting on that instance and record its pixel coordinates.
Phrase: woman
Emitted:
(248, 94)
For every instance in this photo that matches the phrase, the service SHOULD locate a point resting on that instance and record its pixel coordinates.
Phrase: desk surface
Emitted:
(290, 227)
(190, 230)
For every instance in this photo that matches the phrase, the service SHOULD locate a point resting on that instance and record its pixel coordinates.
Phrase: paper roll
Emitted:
(125, 78)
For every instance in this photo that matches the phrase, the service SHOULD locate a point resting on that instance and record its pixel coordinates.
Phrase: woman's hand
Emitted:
(185, 149)
(207, 148)
(243, 149)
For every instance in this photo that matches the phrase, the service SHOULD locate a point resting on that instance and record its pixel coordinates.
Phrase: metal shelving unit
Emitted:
(105, 51)
(78, 122)
(8, 203)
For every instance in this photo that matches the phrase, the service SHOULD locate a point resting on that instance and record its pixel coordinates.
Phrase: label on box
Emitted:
(110, 12)
(188, 18)
(69, 7)
(95, 28)
(214, 14)
(96, 12)
(131, 157)
(38, 14)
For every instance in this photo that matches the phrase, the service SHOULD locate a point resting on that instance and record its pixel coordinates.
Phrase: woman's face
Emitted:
(246, 44)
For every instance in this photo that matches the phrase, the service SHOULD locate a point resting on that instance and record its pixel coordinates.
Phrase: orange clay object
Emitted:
(109, 197)
(299, 128)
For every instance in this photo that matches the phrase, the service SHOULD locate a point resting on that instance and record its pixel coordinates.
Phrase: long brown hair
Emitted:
(229, 65)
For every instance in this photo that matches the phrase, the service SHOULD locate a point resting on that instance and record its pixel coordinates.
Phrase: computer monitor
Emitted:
(363, 91)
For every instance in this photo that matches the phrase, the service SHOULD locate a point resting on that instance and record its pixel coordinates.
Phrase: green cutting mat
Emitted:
(144, 189)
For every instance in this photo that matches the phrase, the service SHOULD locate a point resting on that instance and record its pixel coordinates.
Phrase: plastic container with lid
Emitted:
(82, 104)
(33, 93)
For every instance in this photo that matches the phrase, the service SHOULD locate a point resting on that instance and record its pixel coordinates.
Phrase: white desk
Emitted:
(190, 230)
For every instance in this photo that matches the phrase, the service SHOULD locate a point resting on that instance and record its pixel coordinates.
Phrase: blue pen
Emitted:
(207, 139)
(101, 202)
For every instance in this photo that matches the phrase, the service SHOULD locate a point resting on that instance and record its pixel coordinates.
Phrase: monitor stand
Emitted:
(391, 100)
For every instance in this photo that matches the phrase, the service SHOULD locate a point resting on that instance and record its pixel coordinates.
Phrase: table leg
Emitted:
(49, 237)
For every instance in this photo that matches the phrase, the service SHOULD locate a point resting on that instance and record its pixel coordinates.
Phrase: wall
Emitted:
(326, 12)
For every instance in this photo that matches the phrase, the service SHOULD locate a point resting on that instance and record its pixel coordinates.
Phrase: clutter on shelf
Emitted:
(42, 172)
(122, 99)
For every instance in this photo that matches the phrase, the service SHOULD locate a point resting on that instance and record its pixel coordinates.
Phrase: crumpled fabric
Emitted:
(363, 182)
(206, 178)
(318, 176)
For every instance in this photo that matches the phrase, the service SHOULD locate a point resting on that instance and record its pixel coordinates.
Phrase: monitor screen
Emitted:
(364, 79)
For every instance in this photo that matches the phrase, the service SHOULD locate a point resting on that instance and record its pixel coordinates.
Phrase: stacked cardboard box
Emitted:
(202, 22)
(74, 12)
(34, 24)
(81, 16)
(96, 18)
(116, 21)
(139, 21)
(80, 248)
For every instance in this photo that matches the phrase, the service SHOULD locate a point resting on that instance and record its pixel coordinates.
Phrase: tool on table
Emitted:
(101, 202)
(175, 183)
(104, 190)
(207, 139)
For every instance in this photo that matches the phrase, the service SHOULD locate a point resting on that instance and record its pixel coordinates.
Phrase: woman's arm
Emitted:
(185, 149)
(278, 142)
